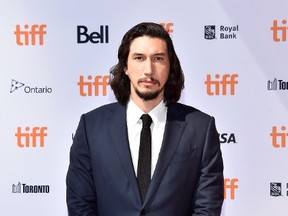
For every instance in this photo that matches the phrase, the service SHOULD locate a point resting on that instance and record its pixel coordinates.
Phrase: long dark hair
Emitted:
(120, 82)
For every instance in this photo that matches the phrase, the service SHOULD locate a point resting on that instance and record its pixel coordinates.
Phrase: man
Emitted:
(185, 169)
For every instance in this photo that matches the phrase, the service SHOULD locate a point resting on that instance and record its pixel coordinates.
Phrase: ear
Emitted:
(125, 70)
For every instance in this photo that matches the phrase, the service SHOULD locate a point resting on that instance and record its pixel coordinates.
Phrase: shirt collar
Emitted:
(133, 113)
(158, 113)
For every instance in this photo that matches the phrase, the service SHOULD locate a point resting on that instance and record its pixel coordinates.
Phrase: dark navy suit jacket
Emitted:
(188, 179)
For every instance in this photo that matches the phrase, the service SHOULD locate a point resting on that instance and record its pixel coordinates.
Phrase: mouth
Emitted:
(149, 81)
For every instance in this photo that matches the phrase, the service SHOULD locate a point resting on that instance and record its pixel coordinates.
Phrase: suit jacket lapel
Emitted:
(118, 130)
(173, 132)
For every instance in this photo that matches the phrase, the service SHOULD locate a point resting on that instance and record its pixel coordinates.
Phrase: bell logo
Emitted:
(279, 139)
(279, 31)
(92, 86)
(219, 85)
(168, 27)
(30, 35)
(230, 186)
(95, 37)
(32, 137)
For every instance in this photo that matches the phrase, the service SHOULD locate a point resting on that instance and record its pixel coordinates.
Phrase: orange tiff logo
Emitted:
(168, 27)
(31, 137)
(229, 187)
(92, 86)
(279, 139)
(279, 31)
(30, 35)
(219, 85)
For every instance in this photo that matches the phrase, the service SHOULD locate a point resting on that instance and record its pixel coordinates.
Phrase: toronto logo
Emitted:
(25, 188)
(277, 84)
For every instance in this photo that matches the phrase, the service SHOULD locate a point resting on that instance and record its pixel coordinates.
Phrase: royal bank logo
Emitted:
(212, 32)
(277, 84)
(19, 86)
(277, 189)
(30, 189)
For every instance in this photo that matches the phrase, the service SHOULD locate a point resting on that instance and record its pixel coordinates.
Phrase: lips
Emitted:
(149, 81)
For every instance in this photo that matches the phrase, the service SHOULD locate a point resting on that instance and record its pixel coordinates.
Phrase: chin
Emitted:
(150, 95)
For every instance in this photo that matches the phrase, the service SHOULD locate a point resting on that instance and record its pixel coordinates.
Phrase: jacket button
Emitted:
(143, 212)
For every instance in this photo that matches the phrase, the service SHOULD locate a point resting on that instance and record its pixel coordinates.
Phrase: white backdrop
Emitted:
(42, 97)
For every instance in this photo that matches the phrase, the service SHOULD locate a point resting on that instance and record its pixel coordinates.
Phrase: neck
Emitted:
(146, 106)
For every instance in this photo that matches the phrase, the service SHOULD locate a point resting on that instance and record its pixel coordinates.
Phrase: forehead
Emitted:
(148, 44)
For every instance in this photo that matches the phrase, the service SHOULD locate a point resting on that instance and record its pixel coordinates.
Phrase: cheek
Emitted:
(132, 76)
(164, 78)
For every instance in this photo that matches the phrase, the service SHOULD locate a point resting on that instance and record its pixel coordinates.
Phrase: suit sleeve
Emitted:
(209, 195)
(80, 191)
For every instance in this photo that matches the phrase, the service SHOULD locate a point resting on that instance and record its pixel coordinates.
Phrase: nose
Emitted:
(148, 67)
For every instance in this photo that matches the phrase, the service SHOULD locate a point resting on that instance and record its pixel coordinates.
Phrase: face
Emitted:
(148, 68)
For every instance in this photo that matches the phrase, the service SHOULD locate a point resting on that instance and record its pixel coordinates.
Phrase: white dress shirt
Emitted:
(134, 126)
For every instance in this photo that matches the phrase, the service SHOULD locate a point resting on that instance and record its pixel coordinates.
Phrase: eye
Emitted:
(139, 58)
(158, 58)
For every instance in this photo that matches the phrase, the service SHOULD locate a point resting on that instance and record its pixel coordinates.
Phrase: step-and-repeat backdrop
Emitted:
(55, 58)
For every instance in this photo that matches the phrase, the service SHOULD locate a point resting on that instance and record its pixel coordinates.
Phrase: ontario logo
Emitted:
(18, 86)
(25, 188)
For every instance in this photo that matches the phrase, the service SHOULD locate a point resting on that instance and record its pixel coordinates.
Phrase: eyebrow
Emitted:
(156, 54)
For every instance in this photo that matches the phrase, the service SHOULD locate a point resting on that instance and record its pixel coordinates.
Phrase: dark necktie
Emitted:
(144, 161)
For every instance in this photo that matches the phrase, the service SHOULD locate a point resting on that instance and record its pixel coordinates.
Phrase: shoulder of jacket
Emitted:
(179, 109)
